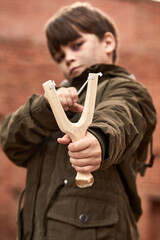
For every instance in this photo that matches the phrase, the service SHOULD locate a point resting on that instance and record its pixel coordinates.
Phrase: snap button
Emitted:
(83, 218)
(65, 181)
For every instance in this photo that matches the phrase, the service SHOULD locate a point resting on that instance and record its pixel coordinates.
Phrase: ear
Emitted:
(109, 43)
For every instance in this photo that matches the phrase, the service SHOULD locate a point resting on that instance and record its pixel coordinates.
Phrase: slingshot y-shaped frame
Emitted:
(77, 130)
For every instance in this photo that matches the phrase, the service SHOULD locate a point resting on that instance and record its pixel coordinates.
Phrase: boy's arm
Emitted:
(23, 130)
(124, 117)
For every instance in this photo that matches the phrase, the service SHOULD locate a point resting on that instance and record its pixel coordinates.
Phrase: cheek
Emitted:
(93, 56)
(62, 67)
(65, 72)
(87, 58)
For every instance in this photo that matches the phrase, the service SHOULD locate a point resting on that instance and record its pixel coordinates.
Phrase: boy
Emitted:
(82, 39)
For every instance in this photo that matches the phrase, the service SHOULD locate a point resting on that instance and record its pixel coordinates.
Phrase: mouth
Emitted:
(74, 70)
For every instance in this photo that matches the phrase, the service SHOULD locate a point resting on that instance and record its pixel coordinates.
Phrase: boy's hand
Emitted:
(69, 99)
(85, 154)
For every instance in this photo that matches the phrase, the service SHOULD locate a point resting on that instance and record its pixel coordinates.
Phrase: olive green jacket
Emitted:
(123, 122)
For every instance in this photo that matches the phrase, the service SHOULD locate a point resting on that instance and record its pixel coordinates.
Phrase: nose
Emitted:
(70, 57)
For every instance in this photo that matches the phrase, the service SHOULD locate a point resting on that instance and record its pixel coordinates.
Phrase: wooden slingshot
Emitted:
(77, 130)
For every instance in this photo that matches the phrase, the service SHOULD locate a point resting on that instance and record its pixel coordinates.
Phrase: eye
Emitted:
(77, 45)
(59, 58)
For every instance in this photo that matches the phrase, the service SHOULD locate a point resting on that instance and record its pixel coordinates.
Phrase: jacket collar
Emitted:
(108, 71)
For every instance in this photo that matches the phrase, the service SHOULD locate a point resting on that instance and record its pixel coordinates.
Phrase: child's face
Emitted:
(80, 54)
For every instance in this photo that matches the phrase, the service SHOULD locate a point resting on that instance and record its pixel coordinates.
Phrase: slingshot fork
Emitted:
(77, 130)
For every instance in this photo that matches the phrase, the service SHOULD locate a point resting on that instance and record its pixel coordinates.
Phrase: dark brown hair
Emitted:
(64, 25)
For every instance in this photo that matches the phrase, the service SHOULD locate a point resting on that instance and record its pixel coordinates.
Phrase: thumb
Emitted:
(77, 108)
(64, 140)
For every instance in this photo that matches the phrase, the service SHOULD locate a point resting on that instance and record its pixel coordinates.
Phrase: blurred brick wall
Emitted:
(25, 64)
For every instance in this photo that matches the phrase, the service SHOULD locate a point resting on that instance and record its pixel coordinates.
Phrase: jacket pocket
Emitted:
(68, 217)
(84, 212)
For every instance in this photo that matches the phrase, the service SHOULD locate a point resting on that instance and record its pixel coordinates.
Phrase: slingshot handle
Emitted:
(84, 180)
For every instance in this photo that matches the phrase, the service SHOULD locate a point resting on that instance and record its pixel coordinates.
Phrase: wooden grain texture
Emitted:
(77, 130)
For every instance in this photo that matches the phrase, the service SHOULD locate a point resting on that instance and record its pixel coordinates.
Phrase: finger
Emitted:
(76, 108)
(79, 145)
(86, 153)
(64, 140)
(86, 169)
(69, 99)
(64, 101)
(73, 94)
(65, 98)
(85, 161)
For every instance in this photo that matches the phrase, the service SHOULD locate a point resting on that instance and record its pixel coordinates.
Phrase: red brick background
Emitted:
(25, 64)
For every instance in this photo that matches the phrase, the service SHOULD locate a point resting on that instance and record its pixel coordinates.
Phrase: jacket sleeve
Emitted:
(124, 116)
(24, 130)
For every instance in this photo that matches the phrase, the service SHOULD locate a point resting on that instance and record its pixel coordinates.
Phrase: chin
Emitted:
(74, 74)
(70, 78)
